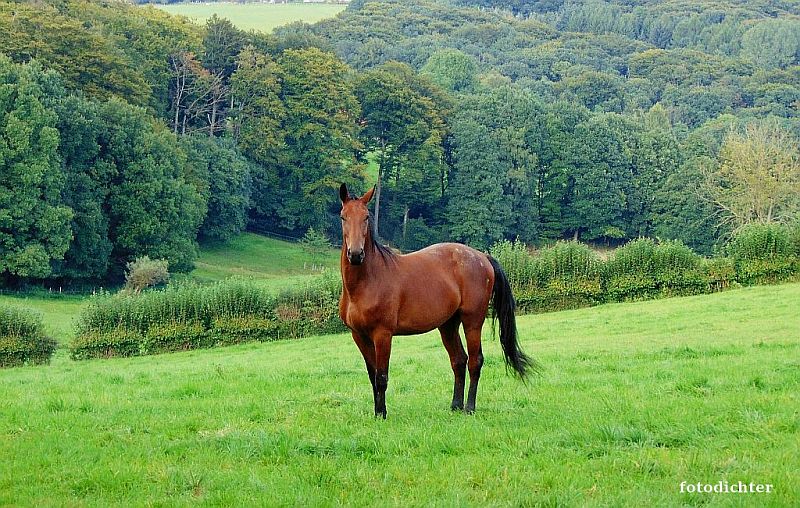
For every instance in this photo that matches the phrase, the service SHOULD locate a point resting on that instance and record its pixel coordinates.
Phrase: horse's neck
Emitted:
(368, 274)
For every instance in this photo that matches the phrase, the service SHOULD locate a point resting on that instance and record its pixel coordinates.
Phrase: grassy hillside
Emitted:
(256, 16)
(635, 399)
(274, 262)
(58, 311)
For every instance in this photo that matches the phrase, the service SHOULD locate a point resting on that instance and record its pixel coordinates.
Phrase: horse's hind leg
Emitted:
(458, 359)
(472, 330)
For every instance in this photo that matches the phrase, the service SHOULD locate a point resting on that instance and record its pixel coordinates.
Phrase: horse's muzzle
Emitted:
(355, 258)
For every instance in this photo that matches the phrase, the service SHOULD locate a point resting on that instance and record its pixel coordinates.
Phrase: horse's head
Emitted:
(355, 224)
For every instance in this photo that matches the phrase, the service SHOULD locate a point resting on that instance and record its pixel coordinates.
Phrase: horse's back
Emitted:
(439, 281)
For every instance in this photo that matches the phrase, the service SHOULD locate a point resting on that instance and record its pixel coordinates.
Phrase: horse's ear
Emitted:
(366, 198)
(343, 194)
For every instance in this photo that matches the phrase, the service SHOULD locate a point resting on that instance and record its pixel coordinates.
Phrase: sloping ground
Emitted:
(635, 399)
(274, 262)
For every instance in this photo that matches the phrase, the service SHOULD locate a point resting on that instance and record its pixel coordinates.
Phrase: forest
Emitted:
(125, 131)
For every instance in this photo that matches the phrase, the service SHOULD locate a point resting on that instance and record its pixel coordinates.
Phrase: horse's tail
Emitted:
(504, 305)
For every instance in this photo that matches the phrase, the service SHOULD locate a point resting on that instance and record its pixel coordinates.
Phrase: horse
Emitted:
(441, 286)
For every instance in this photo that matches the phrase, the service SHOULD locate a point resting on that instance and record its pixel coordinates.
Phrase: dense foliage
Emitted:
(188, 316)
(22, 338)
(570, 275)
(128, 132)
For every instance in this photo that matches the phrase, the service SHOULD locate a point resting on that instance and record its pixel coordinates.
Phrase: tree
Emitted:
(758, 178)
(321, 134)
(256, 117)
(600, 173)
(403, 125)
(34, 222)
(478, 211)
(152, 206)
(316, 244)
(452, 70)
(88, 178)
(222, 44)
(226, 180)
(773, 43)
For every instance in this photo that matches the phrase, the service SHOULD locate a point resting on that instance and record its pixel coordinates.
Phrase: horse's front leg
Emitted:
(367, 349)
(383, 349)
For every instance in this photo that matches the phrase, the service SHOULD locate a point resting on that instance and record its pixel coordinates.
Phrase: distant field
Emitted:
(256, 16)
(58, 312)
(274, 262)
(635, 399)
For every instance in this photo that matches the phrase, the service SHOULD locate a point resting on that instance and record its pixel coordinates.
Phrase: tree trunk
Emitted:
(405, 223)
(378, 186)
(576, 234)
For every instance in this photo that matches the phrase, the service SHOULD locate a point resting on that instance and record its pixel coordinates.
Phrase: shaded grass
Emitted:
(635, 398)
(255, 16)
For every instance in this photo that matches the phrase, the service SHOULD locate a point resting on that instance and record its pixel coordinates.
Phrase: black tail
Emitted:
(504, 305)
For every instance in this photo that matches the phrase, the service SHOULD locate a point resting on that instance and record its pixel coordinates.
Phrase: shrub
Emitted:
(106, 344)
(22, 338)
(145, 272)
(764, 253)
(761, 242)
(564, 276)
(189, 316)
(642, 269)
(310, 309)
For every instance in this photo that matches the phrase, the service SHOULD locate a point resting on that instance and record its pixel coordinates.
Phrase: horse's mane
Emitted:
(385, 252)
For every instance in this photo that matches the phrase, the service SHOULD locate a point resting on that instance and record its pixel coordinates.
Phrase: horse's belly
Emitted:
(421, 314)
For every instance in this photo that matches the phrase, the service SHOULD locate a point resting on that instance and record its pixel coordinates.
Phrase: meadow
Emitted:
(635, 398)
(255, 16)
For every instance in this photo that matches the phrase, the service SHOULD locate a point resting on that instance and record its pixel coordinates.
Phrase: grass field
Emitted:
(256, 16)
(635, 399)
(273, 262)
(58, 312)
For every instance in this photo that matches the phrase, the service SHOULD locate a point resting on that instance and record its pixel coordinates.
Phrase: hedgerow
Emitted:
(23, 339)
(570, 275)
(564, 276)
(190, 316)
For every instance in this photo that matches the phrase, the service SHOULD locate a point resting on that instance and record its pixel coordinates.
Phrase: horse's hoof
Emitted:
(456, 407)
(469, 410)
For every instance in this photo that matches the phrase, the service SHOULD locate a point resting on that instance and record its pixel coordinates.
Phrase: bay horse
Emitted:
(442, 286)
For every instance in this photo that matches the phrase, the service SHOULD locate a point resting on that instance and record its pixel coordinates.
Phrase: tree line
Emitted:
(128, 132)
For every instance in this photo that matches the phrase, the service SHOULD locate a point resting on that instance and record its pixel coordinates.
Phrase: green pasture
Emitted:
(635, 398)
(275, 263)
(255, 16)
(57, 311)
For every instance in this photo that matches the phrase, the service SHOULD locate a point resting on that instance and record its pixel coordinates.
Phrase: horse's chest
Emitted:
(358, 315)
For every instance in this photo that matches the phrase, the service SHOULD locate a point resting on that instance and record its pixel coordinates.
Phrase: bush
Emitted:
(762, 242)
(106, 344)
(145, 272)
(22, 338)
(765, 253)
(188, 316)
(642, 269)
(564, 276)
